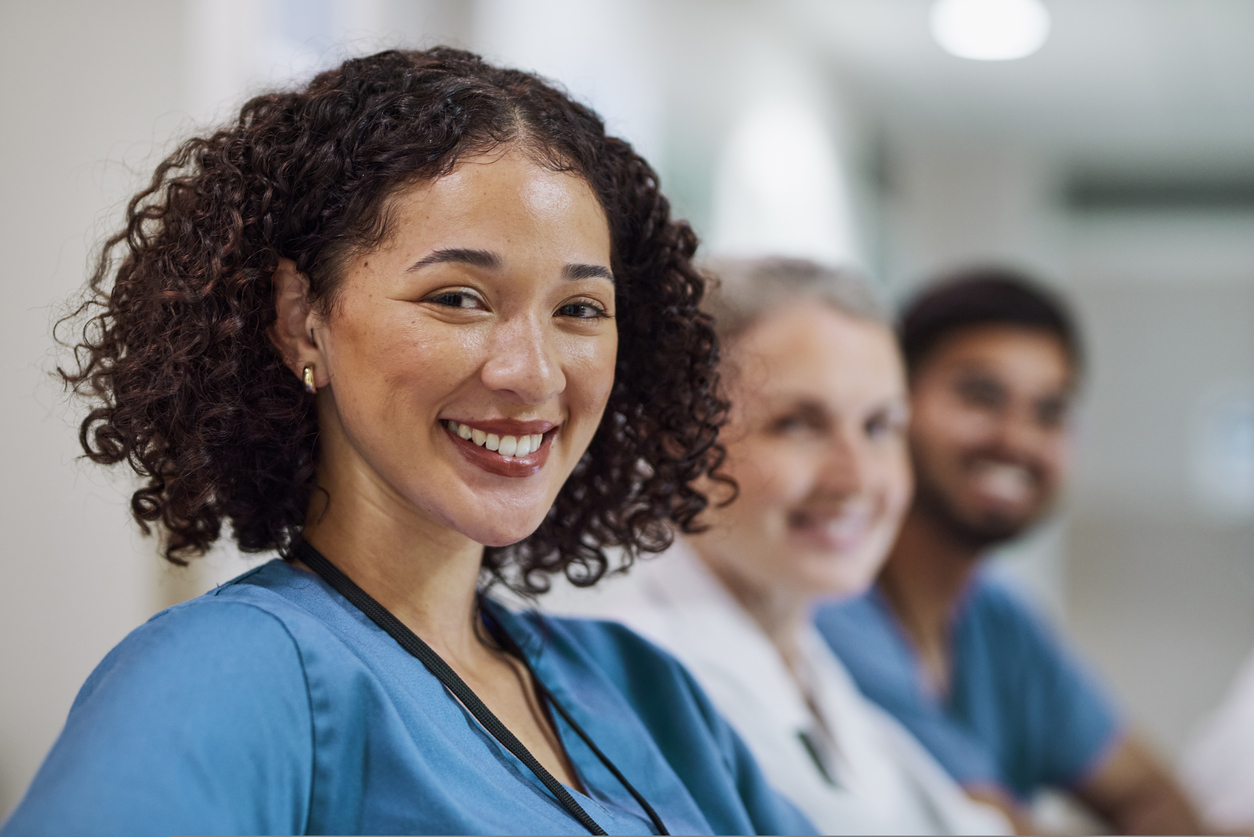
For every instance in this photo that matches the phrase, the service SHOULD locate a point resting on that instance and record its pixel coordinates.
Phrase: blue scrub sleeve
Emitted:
(1070, 725)
(178, 729)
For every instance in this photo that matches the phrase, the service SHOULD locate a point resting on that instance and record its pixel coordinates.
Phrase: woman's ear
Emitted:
(294, 330)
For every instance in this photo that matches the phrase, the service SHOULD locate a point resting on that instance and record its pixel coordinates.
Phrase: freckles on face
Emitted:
(816, 444)
(471, 356)
(370, 332)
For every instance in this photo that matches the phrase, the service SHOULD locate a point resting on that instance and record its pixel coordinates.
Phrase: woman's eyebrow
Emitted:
(491, 261)
(475, 258)
(587, 271)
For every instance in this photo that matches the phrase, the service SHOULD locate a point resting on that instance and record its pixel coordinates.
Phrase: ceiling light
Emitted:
(990, 30)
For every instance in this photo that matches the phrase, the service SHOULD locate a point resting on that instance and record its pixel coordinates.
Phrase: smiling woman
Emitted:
(414, 326)
(489, 306)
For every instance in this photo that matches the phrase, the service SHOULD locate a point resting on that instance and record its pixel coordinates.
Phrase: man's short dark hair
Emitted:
(982, 296)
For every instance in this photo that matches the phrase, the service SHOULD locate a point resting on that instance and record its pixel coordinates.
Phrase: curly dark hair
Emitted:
(189, 390)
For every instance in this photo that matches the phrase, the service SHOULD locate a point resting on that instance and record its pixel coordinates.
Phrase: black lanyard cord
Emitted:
(412, 643)
(512, 646)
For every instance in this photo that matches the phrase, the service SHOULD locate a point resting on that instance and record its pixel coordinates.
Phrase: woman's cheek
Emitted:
(591, 366)
(781, 474)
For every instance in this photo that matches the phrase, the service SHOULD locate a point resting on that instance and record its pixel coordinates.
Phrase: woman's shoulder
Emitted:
(264, 602)
(295, 600)
(224, 657)
(203, 702)
(232, 620)
(257, 628)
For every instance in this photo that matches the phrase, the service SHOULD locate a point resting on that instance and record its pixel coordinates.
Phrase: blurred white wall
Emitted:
(1161, 572)
(89, 89)
(620, 75)
(782, 182)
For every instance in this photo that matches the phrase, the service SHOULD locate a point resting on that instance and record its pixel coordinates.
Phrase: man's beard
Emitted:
(978, 533)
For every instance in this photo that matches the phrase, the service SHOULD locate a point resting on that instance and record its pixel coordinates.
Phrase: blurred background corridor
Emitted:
(1116, 163)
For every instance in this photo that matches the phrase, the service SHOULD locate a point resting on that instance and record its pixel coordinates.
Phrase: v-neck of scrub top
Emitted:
(613, 806)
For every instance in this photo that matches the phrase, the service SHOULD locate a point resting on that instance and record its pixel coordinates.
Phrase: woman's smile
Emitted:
(504, 447)
(840, 530)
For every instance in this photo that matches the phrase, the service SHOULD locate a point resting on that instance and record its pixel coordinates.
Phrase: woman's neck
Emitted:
(780, 613)
(425, 575)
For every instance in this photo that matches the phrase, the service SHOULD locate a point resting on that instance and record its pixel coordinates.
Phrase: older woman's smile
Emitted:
(840, 530)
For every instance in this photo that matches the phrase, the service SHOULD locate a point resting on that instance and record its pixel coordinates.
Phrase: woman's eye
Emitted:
(885, 425)
(456, 299)
(582, 310)
(791, 424)
(878, 428)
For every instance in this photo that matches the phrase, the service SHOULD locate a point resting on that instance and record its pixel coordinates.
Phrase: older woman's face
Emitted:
(470, 357)
(816, 441)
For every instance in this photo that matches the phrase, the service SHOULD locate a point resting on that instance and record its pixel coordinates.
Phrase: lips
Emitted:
(504, 447)
(841, 530)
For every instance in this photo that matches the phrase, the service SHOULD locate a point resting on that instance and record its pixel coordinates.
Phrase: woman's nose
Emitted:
(843, 467)
(523, 360)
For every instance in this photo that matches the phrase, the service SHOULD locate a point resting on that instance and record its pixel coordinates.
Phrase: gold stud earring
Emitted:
(307, 376)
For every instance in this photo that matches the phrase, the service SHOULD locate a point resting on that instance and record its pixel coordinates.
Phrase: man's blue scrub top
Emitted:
(1021, 712)
(273, 706)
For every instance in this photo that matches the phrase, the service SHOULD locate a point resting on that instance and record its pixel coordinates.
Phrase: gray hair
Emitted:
(743, 290)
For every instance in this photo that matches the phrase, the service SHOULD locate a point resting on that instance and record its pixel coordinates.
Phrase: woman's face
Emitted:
(468, 359)
(816, 442)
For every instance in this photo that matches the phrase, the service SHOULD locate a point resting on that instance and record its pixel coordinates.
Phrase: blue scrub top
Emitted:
(1021, 712)
(273, 706)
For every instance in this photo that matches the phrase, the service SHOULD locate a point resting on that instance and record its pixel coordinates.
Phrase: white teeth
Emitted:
(506, 445)
(1009, 483)
(846, 527)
